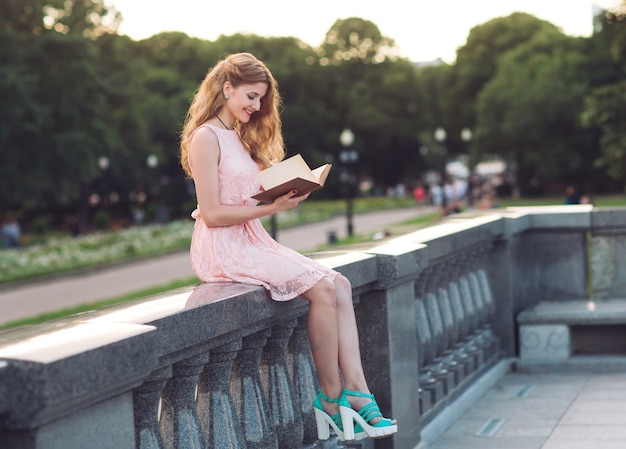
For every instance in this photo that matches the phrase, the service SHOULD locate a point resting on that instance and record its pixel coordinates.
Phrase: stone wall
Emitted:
(223, 366)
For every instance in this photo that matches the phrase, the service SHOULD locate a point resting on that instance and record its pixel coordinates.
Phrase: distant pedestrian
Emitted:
(419, 194)
(436, 195)
(11, 233)
(571, 196)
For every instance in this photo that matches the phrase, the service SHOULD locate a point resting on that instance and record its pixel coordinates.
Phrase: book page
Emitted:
(288, 169)
(321, 173)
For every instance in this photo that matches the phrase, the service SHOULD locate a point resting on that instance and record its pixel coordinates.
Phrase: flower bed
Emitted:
(62, 254)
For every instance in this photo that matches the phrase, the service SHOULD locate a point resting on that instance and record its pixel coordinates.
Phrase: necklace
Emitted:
(224, 124)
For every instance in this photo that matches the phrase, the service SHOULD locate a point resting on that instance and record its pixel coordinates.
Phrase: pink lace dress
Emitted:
(246, 252)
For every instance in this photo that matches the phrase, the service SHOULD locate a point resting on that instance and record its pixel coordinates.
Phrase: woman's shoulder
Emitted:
(203, 139)
(204, 133)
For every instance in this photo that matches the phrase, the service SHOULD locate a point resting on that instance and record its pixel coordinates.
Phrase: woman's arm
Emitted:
(204, 154)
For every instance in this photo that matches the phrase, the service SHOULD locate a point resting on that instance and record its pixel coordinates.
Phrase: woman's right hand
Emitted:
(289, 200)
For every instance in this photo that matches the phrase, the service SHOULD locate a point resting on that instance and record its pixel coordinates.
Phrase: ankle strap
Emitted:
(327, 399)
(358, 393)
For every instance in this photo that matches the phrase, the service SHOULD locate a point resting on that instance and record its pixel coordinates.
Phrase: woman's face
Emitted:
(245, 100)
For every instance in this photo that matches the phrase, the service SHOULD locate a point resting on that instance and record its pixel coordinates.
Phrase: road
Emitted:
(33, 299)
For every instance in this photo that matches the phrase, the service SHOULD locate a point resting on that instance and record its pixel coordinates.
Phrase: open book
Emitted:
(290, 174)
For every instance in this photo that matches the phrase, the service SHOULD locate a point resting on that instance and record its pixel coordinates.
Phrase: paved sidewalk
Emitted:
(56, 294)
(580, 405)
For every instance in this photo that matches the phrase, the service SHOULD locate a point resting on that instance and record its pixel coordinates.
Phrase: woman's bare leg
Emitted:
(323, 333)
(349, 349)
(350, 362)
(334, 339)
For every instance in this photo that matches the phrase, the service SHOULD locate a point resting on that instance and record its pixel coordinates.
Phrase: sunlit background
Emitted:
(424, 30)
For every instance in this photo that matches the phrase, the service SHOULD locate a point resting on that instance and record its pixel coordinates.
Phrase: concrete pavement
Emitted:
(576, 405)
(85, 288)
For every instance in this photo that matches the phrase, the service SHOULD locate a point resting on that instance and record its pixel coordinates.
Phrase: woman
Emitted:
(232, 131)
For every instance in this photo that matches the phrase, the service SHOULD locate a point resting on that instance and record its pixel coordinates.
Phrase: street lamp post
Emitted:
(466, 137)
(349, 157)
(440, 137)
(103, 164)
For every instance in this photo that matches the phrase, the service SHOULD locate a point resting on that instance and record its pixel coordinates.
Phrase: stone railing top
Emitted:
(576, 312)
(48, 367)
(559, 216)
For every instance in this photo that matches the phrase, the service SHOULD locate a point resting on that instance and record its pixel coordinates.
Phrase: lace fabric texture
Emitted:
(245, 252)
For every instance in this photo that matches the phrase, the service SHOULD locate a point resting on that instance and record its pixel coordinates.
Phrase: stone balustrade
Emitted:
(223, 366)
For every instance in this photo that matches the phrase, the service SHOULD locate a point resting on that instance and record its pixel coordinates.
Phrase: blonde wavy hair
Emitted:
(262, 135)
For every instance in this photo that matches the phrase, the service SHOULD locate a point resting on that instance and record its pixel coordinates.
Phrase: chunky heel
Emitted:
(383, 428)
(322, 422)
(341, 422)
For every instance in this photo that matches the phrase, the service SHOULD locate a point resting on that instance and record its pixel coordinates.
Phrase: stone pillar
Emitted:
(146, 399)
(284, 415)
(248, 394)
(387, 327)
(180, 425)
(439, 367)
(470, 342)
(506, 285)
(216, 410)
(427, 380)
(306, 383)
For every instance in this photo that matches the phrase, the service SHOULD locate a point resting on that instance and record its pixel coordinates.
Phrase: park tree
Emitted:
(90, 18)
(55, 119)
(372, 92)
(173, 64)
(529, 111)
(477, 61)
(605, 106)
(355, 39)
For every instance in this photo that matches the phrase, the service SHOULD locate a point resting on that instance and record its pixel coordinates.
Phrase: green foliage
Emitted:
(73, 92)
(605, 105)
(528, 112)
(101, 219)
(477, 60)
(606, 109)
(355, 39)
(41, 225)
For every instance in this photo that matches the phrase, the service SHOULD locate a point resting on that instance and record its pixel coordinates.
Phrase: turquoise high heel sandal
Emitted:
(383, 428)
(324, 421)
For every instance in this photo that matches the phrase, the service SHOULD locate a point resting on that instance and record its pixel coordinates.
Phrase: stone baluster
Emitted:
(440, 329)
(305, 381)
(146, 399)
(483, 338)
(456, 298)
(468, 302)
(248, 393)
(453, 329)
(436, 326)
(284, 415)
(489, 301)
(484, 282)
(180, 425)
(216, 409)
(426, 355)
(452, 358)
(471, 315)
(456, 305)
(425, 345)
(439, 368)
